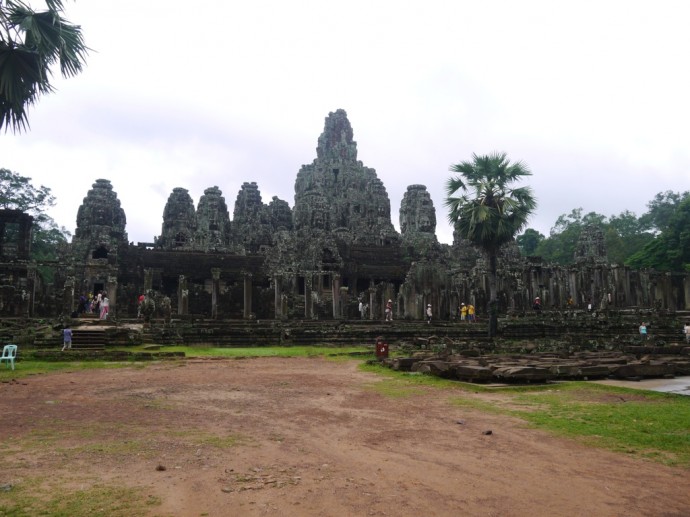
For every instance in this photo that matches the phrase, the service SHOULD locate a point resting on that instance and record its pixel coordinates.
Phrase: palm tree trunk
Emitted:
(493, 297)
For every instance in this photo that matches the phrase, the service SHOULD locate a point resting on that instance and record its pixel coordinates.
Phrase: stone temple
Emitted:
(335, 247)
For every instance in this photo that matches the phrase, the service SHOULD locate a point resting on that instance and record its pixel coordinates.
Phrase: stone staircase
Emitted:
(541, 332)
(89, 338)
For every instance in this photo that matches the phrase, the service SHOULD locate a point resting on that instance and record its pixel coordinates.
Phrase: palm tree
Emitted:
(489, 213)
(31, 42)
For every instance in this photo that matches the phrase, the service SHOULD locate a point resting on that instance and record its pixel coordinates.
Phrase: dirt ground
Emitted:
(309, 437)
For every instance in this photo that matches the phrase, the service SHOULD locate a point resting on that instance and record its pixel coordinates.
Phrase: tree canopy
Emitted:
(18, 193)
(489, 213)
(670, 250)
(656, 239)
(31, 42)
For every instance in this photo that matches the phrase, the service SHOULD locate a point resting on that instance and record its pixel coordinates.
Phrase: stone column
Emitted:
(148, 280)
(247, 296)
(372, 304)
(182, 295)
(335, 288)
(68, 296)
(278, 296)
(308, 312)
(111, 290)
(31, 277)
(215, 289)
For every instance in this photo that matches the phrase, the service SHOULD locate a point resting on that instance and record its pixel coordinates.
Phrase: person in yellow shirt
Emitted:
(470, 313)
(463, 312)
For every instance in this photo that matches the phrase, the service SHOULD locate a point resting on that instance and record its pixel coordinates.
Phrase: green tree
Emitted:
(31, 42)
(17, 193)
(559, 247)
(529, 241)
(624, 236)
(661, 209)
(670, 250)
(489, 213)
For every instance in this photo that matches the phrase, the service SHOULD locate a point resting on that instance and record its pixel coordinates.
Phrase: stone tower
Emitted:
(417, 212)
(179, 222)
(591, 245)
(250, 219)
(417, 221)
(213, 221)
(336, 193)
(280, 214)
(101, 224)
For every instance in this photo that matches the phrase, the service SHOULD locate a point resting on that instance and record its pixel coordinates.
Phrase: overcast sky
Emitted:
(593, 96)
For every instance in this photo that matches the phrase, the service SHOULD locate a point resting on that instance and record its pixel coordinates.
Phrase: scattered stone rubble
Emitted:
(470, 365)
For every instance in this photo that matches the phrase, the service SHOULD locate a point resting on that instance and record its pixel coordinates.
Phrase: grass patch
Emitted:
(646, 424)
(403, 384)
(417, 379)
(28, 367)
(31, 498)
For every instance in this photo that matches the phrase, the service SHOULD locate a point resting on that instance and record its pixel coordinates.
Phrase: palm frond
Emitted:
(30, 44)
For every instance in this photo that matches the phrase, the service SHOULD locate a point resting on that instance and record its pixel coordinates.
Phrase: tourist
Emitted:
(140, 302)
(686, 331)
(428, 314)
(105, 306)
(470, 313)
(537, 304)
(361, 309)
(463, 312)
(389, 310)
(81, 308)
(66, 338)
(643, 331)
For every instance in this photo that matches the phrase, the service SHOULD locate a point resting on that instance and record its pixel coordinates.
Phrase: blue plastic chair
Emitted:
(9, 352)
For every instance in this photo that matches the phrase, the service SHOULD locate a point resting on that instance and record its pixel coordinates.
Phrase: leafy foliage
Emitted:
(658, 239)
(669, 251)
(624, 235)
(17, 193)
(661, 209)
(529, 241)
(31, 42)
(489, 213)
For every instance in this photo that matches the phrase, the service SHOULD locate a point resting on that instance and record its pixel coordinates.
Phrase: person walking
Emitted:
(428, 314)
(389, 310)
(105, 306)
(463, 312)
(686, 330)
(66, 338)
(470, 313)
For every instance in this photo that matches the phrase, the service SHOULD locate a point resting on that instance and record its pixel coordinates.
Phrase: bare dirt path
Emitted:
(309, 437)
